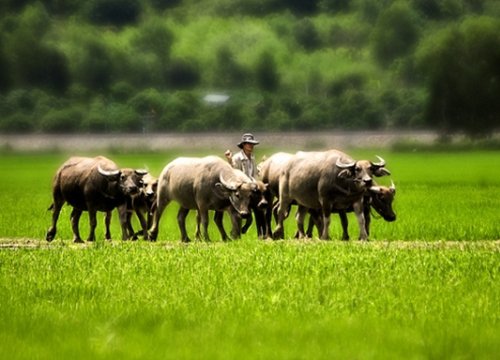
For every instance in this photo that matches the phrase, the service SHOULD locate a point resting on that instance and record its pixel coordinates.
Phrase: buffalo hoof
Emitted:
(277, 235)
(50, 236)
(78, 241)
(152, 235)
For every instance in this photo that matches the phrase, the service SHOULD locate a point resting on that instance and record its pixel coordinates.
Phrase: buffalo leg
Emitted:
(181, 221)
(143, 222)
(299, 217)
(269, 216)
(56, 210)
(130, 229)
(345, 225)
(314, 220)
(123, 214)
(260, 223)
(203, 213)
(161, 204)
(75, 219)
(325, 234)
(218, 218)
(366, 212)
(107, 222)
(247, 225)
(235, 223)
(93, 224)
(283, 207)
(358, 210)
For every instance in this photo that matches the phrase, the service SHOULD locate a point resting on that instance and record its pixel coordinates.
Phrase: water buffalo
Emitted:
(380, 198)
(143, 204)
(258, 205)
(269, 172)
(92, 184)
(326, 180)
(202, 184)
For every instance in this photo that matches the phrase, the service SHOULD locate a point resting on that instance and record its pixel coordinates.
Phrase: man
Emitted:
(244, 159)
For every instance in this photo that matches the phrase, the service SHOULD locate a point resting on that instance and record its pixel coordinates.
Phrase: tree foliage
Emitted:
(461, 64)
(146, 65)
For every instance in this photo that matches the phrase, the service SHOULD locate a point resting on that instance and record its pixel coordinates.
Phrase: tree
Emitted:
(306, 35)
(228, 73)
(31, 61)
(95, 68)
(267, 73)
(113, 12)
(461, 65)
(395, 34)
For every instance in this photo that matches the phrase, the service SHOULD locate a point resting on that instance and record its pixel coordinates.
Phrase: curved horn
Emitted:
(381, 162)
(393, 186)
(107, 172)
(141, 172)
(344, 165)
(226, 184)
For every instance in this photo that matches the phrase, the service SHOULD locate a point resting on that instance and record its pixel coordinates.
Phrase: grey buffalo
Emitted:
(202, 184)
(327, 181)
(92, 184)
(269, 172)
(380, 198)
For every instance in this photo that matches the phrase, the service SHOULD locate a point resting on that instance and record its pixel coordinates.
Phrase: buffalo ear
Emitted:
(381, 172)
(344, 174)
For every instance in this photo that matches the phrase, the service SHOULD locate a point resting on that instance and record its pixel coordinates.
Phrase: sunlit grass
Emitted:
(250, 299)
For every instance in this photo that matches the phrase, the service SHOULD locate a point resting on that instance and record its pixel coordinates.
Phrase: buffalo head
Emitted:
(361, 171)
(149, 186)
(122, 182)
(239, 193)
(381, 200)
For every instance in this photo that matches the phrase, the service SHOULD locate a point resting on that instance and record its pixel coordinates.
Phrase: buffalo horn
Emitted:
(381, 162)
(107, 172)
(141, 172)
(393, 186)
(344, 165)
(226, 184)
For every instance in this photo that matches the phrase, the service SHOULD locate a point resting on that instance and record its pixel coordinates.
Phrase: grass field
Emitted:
(426, 286)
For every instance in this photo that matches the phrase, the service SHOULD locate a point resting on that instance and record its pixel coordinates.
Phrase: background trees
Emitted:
(462, 68)
(146, 65)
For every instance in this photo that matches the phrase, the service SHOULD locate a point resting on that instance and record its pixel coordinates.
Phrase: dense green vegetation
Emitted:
(146, 65)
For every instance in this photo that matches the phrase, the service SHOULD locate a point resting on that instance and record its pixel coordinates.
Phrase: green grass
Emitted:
(426, 286)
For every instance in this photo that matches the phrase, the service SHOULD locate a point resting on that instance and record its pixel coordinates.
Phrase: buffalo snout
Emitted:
(390, 217)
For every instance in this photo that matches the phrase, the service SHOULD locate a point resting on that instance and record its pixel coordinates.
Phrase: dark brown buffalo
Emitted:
(258, 205)
(92, 184)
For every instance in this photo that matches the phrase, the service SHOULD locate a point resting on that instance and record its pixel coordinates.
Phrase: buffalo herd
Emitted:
(317, 183)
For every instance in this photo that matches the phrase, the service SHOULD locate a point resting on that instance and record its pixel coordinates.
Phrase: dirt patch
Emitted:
(488, 245)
